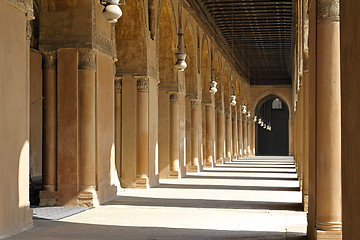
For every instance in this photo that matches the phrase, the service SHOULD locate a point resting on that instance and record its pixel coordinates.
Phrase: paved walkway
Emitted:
(255, 198)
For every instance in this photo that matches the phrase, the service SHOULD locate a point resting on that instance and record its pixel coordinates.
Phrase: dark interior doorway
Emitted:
(276, 141)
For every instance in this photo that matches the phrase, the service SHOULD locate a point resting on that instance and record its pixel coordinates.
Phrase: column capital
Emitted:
(50, 60)
(209, 106)
(118, 85)
(328, 10)
(174, 97)
(86, 59)
(142, 83)
(194, 103)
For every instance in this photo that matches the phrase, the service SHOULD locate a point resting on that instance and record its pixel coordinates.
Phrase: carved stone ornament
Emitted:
(142, 84)
(50, 60)
(208, 107)
(86, 59)
(118, 85)
(328, 10)
(174, 98)
(194, 103)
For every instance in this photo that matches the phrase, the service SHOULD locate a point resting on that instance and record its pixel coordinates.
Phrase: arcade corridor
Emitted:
(253, 198)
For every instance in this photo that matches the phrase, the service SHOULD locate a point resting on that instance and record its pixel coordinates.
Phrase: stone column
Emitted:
(220, 141)
(328, 174)
(49, 149)
(195, 159)
(228, 136)
(210, 134)
(249, 149)
(174, 135)
(118, 124)
(49, 161)
(86, 126)
(291, 135)
(234, 136)
(244, 136)
(252, 146)
(142, 133)
(240, 141)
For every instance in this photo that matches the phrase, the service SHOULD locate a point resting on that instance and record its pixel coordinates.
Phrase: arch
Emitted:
(205, 71)
(171, 9)
(269, 92)
(191, 60)
(167, 39)
(130, 34)
(275, 142)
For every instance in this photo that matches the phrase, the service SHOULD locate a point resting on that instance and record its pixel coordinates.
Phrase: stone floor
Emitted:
(255, 198)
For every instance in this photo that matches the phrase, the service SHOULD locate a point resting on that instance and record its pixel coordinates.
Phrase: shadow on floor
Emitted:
(228, 187)
(236, 171)
(242, 178)
(54, 230)
(204, 203)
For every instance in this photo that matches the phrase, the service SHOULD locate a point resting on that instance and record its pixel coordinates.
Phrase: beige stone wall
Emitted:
(350, 86)
(15, 215)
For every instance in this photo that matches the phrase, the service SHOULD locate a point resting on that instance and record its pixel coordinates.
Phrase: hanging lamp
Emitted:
(112, 12)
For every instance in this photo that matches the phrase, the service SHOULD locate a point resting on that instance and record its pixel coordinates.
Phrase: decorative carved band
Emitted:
(118, 85)
(329, 226)
(174, 98)
(24, 5)
(50, 60)
(194, 103)
(328, 10)
(142, 84)
(209, 107)
(86, 59)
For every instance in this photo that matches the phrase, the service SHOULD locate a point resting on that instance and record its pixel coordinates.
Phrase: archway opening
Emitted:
(274, 142)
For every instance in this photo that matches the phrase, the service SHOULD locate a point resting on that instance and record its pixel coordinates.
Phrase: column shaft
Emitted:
(118, 125)
(50, 117)
(234, 136)
(228, 136)
(220, 141)
(142, 133)
(194, 164)
(249, 149)
(328, 175)
(87, 157)
(174, 135)
(240, 140)
(244, 136)
(210, 134)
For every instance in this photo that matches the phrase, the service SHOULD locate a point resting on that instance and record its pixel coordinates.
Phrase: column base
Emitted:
(208, 165)
(220, 161)
(194, 168)
(48, 198)
(174, 175)
(227, 159)
(87, 199)
(306, 202)
(142, 183)
(335, 235)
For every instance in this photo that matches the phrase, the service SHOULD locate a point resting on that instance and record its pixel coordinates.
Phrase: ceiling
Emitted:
(259, 32)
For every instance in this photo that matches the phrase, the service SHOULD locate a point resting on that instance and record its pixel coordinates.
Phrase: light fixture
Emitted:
(243, 109)
(259, 120)
(232, 100)
(248, 114)
(264, 126)
(255, 119)
(212, 88)
(180, 64)
(112, 12)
